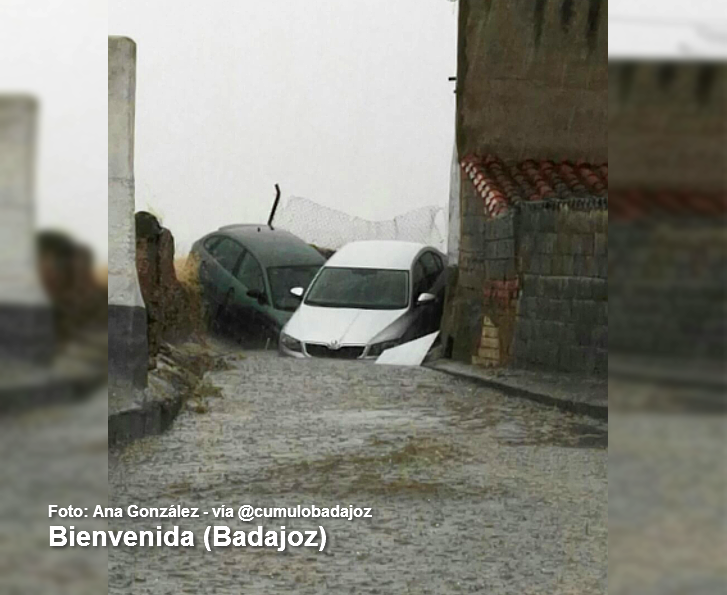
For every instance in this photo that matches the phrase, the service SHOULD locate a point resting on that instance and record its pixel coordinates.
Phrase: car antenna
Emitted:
(275, 207)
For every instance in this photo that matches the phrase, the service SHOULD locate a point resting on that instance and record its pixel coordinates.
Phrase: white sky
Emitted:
(343, 102)
(667, 28)
(56, 50)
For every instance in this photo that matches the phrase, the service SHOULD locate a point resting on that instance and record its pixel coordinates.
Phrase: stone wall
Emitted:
(532, 79)
(562, 318)
(667, 126)
(174, 309)
(531, 288)
(532, 83)
(77, 300)
(667, 130)
(462, 321)
(667, 288)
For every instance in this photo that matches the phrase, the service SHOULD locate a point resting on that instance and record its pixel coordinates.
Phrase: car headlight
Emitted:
(290, 343)
(378, 348)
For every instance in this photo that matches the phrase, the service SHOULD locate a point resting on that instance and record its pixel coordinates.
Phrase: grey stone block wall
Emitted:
(667, 289)
(558, 253)
(498, 240)
(487, 253)
(562, 316)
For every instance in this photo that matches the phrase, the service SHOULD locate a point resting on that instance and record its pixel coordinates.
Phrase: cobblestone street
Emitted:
(471, 491)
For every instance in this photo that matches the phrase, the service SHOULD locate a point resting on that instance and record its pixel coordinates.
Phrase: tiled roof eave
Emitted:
(504, 185)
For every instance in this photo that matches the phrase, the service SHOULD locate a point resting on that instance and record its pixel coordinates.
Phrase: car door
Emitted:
(428, 275)
(253, 302)
(219, 275)
(438, 288)
(204, 253)
(417, 313)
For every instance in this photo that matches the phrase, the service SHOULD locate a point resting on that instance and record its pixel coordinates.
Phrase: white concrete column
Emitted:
(127, 316)
(26, 327)
(123, 281)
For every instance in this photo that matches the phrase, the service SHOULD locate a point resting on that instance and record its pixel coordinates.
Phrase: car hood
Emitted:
(312, 324)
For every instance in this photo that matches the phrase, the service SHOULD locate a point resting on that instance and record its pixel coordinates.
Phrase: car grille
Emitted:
(346, 352)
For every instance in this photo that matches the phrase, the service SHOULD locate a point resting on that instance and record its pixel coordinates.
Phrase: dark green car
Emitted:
(246, 273)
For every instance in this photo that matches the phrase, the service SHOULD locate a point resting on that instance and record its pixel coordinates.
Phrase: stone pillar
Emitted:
(26, 321)
(454, 223)
(128, 349)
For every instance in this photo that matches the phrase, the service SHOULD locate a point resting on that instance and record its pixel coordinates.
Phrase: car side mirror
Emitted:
(258, 295)
(297, 291)
(425, 298)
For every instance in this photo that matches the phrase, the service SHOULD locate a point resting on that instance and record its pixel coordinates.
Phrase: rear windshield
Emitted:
(369, 289)
(283, 279)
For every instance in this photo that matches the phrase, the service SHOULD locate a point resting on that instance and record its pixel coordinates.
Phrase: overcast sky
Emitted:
(343, 102)
(56, 50)
(674, 28)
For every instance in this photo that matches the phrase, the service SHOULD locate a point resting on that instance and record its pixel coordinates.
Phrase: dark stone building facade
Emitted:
(530, 287)
(667, 241)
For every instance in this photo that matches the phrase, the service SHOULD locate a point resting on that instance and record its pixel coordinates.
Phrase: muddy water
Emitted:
(471, 491)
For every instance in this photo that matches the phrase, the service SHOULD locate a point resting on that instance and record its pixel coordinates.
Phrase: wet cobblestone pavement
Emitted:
(471, 491)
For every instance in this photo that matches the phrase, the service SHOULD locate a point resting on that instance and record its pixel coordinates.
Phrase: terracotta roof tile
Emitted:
(503, 183)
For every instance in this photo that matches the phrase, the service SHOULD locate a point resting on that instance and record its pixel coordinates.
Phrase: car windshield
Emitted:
(369, 289)
(283, 279)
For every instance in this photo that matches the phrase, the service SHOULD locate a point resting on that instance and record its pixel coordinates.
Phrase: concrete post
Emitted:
(128, 350)
(454, 222)
(26, 322)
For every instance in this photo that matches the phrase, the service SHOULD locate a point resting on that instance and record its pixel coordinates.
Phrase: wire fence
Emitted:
(329, 228)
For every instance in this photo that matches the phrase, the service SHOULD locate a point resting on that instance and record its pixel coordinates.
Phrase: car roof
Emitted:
(377, 254)
(272, 247)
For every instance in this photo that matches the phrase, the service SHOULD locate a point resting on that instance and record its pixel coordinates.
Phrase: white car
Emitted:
(368, 297)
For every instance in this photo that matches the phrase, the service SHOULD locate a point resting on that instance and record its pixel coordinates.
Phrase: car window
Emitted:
(420, 278)
(431, 267)
(283, 279)
(211, 243)
(250, 273)
(227, 253)
(440, 262)
(371, 289)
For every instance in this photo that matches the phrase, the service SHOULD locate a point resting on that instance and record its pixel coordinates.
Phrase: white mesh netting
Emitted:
(332, 229)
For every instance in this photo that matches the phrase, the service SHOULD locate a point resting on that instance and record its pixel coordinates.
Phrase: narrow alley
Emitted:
(471, 491)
